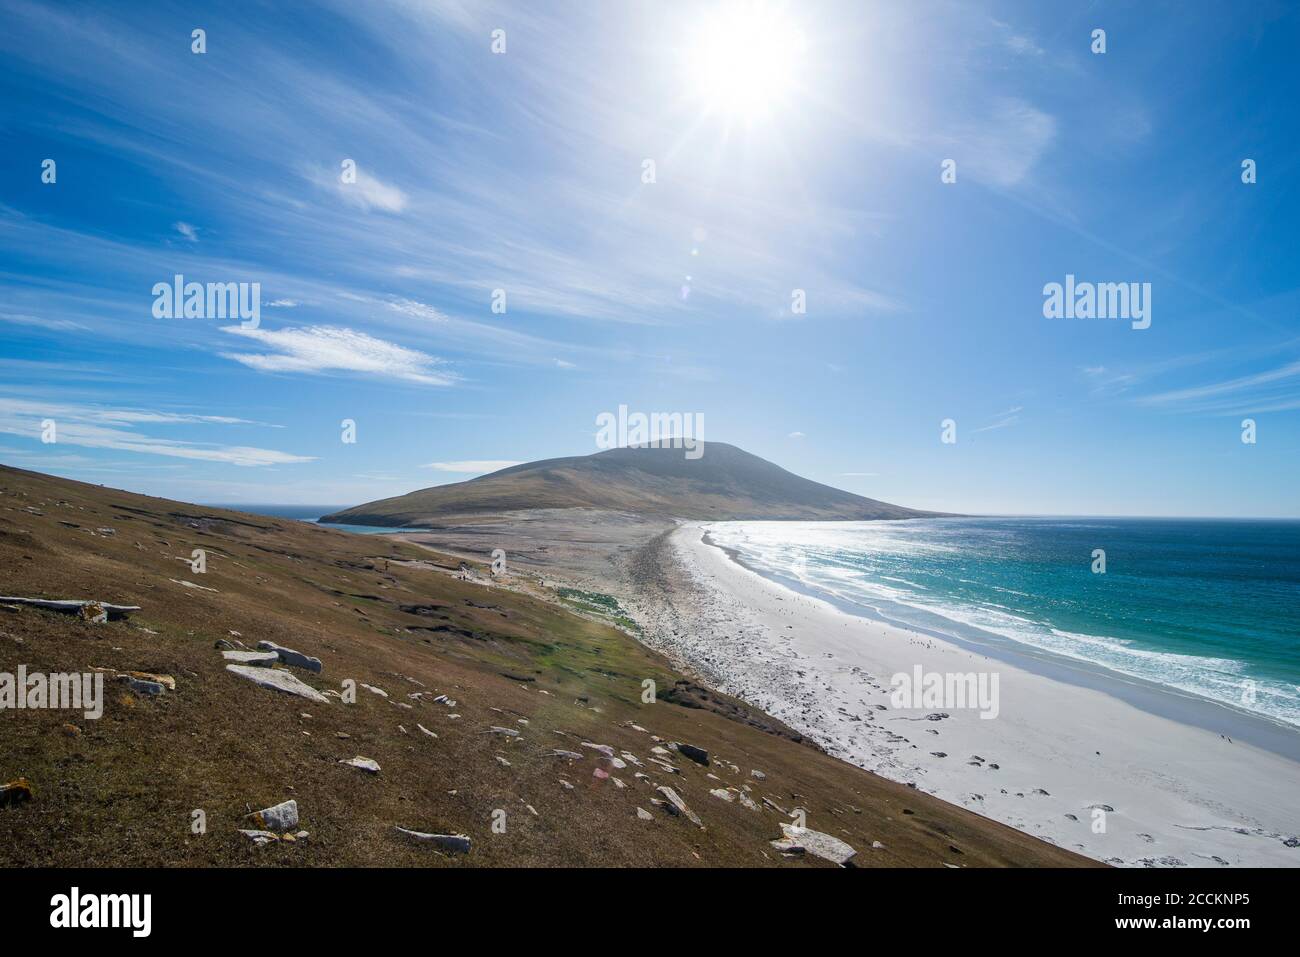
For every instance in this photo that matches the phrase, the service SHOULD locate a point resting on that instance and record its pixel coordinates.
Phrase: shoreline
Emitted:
(1156, 699)
(1179, 794)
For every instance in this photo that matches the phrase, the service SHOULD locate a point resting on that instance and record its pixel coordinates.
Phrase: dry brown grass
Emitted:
(121, 791)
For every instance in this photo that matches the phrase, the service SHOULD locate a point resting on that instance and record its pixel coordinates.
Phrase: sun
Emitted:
(743, 59)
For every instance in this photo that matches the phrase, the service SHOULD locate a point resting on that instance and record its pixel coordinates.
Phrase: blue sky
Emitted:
(522, 171)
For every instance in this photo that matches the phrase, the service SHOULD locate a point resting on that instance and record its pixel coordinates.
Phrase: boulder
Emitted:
(290, 657)
(15, 793)
(802, 840)
(278, 681)
(698, 755)
(281, 817)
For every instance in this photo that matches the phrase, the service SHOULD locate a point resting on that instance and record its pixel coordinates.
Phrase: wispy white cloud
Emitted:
(187, 230)
(332, 349)
(83, 426)
(1004, 145)
(1002, 419)
(368, 192)
(1275, 389)
(56, 325)
(418, 310)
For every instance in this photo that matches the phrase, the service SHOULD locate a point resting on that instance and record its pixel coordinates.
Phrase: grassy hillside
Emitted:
(725, 483)
(122, 790)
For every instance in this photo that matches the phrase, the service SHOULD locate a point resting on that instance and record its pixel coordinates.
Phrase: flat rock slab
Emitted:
(278, 681)
(676, 806)
(281, 817)
(365, 764)
(451, 843)
(74, 607)
(802, 840)
(290, 657)
(258, 659)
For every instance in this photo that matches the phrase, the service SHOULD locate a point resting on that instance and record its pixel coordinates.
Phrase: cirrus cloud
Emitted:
(325, 349)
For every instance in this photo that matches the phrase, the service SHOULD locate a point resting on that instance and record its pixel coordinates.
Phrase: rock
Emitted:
(747, 801)
(94, 612)
(665, 765)
(508, 732)
(141, 686)
(255, 659)
(71, 730)
(426, 730)
(758, 775)
(278, 681)
(802, 840)
(222, 645)
(604, 749)
(451, 843)
(502, 760)
(260, 837)
(365, 764)
(644, 815)
(723, 794)
(75, 607)
(677, 805)
(15, 793)
(698, 755)
(290, 657)
(561, 753)
(373, 690)
(281, 817)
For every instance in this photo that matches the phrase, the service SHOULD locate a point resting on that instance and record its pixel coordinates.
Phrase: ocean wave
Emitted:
(843, 568)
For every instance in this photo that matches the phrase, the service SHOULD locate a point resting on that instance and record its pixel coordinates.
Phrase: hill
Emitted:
(480, 705)
(725, 483)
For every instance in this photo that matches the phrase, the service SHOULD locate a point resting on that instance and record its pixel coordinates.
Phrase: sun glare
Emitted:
(743, 60)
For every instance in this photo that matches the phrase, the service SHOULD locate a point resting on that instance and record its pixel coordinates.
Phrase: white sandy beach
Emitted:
(1181, 795)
